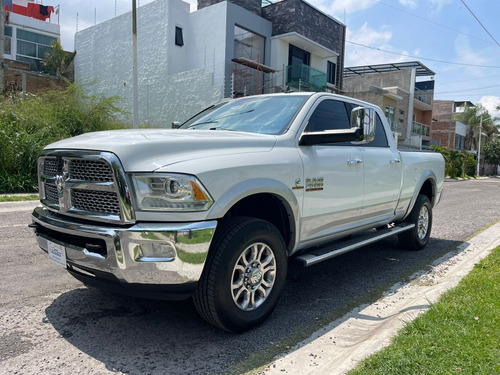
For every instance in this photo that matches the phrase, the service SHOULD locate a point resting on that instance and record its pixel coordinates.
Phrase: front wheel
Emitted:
(421, 215)
(244, 275)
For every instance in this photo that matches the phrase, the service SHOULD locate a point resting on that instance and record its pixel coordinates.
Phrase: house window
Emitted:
(7, 40)
(298, 56)
(32, 48)
(179, 40)
(389, 114)
(330, 72)
(248, 44)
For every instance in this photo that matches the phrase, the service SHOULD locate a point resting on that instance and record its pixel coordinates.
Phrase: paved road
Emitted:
(52, 324)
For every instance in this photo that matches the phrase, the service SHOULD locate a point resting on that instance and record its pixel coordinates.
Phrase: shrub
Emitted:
(28, 123)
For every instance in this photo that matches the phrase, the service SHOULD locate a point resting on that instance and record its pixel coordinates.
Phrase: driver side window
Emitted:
(329, 115)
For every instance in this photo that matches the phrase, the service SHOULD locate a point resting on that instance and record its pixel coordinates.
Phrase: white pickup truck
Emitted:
(216, 208)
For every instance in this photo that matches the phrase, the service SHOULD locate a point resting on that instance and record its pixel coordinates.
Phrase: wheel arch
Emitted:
(427, 185)
(247, 199)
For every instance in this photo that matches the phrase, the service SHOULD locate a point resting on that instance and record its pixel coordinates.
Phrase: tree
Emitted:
(492, 152)
(472, 116)
(57, 61)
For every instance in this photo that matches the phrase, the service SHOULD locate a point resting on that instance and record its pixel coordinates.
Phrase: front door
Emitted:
(333, 176)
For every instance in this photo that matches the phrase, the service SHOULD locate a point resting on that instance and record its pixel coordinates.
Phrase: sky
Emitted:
(463, 51)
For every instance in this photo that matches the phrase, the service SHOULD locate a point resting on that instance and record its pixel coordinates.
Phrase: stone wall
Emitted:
(253, 6)
(298, 16)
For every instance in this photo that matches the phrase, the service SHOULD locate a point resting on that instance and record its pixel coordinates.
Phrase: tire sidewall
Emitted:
(233, 317)
(421, 202)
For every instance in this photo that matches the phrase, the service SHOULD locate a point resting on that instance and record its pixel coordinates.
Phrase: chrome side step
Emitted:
(329, 251)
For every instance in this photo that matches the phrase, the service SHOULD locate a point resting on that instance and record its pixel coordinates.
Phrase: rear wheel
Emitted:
(244, 275)
(421, 215)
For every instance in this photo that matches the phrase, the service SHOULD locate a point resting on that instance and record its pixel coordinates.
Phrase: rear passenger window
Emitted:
(329, 115)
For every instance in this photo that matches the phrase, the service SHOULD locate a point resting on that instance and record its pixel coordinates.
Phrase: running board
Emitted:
(323, 253)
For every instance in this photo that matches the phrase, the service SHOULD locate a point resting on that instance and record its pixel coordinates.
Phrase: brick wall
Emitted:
(445, 133)
(18, 77)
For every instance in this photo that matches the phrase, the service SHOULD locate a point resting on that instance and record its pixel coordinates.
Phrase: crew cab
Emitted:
(216, 208)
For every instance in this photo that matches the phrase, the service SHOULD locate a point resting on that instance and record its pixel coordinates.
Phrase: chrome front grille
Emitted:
(85, 184)
(102, 202)
(90, 170)
(51, 193)
(52, 167)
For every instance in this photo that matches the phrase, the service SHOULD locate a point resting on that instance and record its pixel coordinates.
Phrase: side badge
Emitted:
(298, 184)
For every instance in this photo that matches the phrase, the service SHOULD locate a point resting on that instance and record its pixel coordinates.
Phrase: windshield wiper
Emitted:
(203, 123)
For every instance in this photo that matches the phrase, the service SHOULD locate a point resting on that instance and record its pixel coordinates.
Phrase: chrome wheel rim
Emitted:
(253, 276)
(423, 222)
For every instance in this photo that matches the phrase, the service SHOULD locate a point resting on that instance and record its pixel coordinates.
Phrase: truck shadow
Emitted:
(140, 336)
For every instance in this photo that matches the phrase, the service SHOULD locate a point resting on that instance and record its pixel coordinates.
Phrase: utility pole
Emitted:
(479, 145)
(2, 48)
(135, 123)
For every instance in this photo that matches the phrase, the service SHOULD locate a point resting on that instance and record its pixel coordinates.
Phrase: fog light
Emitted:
(156, 252)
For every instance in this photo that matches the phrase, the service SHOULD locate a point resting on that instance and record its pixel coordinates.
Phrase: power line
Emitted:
(479, 88)
(424, 58)
(433, 22)
(477, 19)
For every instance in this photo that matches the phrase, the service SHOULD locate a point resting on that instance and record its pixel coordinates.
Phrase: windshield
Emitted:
(255, 114)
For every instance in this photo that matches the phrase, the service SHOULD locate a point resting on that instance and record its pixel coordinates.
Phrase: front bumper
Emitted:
(113, 254)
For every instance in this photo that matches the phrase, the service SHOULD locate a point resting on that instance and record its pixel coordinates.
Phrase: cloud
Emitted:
(438, 5)
(491, 103)
(339, 6)
(466, 54)
(358, 55)
(409, 3)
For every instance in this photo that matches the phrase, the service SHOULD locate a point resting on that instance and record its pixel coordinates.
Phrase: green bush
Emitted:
(470, 165)
(28, 123)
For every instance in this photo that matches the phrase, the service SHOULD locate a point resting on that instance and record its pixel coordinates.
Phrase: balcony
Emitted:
(421, 129)
(304, 78)
(396, 127)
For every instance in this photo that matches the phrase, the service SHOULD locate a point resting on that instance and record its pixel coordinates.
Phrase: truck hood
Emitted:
(150, 149)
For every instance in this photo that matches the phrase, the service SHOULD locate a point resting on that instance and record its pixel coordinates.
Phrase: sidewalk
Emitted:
(337, 348)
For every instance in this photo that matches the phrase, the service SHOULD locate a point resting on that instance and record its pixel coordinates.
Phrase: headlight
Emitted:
(170, 192)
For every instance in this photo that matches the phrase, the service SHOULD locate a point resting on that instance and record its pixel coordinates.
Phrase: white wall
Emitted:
(461, 129)
(104, 58)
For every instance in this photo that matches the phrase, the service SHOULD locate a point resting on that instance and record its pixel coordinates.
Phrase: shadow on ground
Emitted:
(141, 336)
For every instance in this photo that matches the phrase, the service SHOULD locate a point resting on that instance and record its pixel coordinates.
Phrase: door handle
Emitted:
(395, 161)
(354, 161)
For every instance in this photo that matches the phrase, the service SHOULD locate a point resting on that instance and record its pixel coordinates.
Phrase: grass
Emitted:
(460, 334)
(19, 198)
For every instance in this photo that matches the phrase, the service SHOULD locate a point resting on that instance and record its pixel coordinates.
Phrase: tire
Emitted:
(421, 215)
(242, 247)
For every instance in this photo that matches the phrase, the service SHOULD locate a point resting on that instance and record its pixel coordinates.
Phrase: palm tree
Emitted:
(472, 116)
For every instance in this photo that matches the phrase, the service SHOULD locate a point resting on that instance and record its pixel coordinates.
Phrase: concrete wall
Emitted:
(371, 87)
(167, 91)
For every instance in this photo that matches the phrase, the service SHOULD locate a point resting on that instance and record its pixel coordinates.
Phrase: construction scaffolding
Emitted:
(252, 78)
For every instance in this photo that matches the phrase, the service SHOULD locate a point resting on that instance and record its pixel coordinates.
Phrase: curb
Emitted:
(340, 346)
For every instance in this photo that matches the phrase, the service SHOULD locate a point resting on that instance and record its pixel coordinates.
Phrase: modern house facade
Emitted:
(188, 60)
(407, 102)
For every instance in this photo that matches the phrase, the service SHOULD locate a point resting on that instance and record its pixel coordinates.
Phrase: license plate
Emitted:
(57, 253)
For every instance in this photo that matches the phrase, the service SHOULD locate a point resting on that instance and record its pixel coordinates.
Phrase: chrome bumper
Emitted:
(188, 245)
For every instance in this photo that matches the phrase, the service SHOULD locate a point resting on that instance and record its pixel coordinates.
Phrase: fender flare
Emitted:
(247, 188)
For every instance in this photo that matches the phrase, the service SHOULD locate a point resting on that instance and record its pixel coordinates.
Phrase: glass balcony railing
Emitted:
(304, 78)
(396, 127)
(421, 129)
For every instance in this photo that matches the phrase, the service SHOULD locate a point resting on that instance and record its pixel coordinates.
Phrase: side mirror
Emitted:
(363, 118)
(176, 124)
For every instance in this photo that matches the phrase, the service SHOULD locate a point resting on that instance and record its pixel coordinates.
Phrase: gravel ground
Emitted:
(52, 324)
